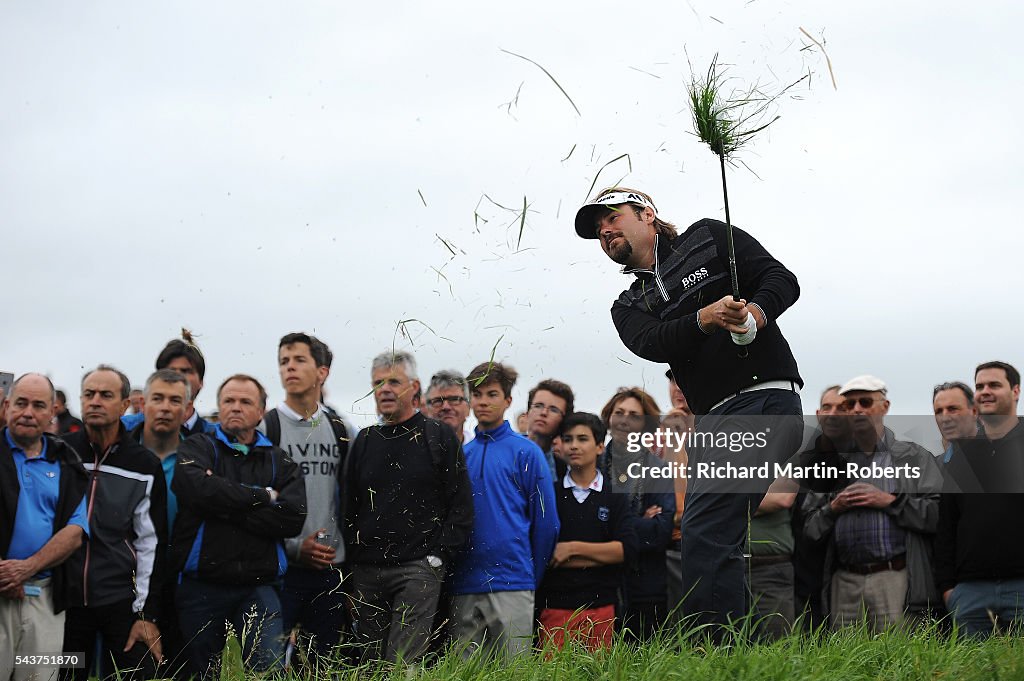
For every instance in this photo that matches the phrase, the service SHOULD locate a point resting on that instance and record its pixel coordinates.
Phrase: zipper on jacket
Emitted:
(88, 544)
(483, 457)
(97, 461)
(654, 272)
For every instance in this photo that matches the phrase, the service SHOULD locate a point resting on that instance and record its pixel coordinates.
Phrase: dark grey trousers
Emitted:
(394, 609)
(772, 589)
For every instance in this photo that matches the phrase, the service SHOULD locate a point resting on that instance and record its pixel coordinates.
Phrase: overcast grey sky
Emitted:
(251, 169)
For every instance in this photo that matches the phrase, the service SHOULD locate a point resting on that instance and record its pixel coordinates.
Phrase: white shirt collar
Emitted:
(192, 420)
(581, 493)
(295, 416)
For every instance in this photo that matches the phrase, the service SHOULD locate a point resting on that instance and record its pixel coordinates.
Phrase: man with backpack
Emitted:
(408, 511)
(317, 441)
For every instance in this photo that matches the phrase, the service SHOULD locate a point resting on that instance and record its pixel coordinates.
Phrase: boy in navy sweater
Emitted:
(580, 589)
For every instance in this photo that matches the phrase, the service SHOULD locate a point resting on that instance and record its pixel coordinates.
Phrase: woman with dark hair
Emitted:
(628, 467)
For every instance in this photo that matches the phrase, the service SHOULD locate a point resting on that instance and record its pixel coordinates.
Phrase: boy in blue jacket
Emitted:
(515, 528)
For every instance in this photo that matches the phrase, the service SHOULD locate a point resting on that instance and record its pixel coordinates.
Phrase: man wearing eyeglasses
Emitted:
(448, 402)
(408, 513)
(880, 527)
(549, 402)
(728, 356)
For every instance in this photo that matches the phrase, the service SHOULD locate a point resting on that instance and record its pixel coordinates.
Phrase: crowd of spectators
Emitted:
(144, 535)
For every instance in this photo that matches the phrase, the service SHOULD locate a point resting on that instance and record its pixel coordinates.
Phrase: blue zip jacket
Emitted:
(515, 520)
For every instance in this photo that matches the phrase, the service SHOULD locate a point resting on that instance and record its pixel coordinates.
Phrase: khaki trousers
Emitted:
(880, 595)
(30, 627)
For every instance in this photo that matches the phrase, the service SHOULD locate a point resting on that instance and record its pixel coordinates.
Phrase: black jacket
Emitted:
(66, 423)
(645, 579)
(227, 530)
(125, 556)
(657, 316)
(73, 482)
(980, 536)
(406, 493)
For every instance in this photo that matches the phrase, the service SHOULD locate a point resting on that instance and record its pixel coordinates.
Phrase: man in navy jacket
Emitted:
(239, 498)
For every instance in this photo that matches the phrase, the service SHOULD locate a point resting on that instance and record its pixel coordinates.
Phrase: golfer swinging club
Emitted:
(680, 311)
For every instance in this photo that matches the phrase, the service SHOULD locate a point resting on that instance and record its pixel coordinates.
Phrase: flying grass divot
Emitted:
(726, 124)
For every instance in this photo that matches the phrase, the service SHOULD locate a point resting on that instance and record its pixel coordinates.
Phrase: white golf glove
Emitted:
(748, 337)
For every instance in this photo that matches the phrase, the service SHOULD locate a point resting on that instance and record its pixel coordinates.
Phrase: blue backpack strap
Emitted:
(213, 445)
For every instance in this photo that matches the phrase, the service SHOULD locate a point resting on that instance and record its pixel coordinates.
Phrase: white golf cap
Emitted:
(585, 216)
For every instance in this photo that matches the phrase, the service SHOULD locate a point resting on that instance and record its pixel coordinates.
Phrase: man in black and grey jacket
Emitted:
(119, 572)
(239, 498)
(680, 311)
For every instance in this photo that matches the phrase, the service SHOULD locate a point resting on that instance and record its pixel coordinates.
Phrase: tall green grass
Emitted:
(852, 654)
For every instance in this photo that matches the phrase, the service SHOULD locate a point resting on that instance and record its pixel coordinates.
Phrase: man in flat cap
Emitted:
(879, 527)
(728, 356)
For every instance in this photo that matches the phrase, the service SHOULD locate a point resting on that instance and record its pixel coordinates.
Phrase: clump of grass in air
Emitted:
(726, 123)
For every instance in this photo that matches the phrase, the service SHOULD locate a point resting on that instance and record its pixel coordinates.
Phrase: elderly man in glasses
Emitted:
(448, 402)
(880, 527)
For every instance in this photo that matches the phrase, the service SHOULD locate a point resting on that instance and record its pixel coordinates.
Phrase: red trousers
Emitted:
(593, 628)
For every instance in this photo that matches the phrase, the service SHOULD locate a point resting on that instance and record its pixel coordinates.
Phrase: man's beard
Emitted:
(622, 253)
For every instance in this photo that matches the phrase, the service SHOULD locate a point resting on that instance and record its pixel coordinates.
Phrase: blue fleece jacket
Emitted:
(515, 523)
